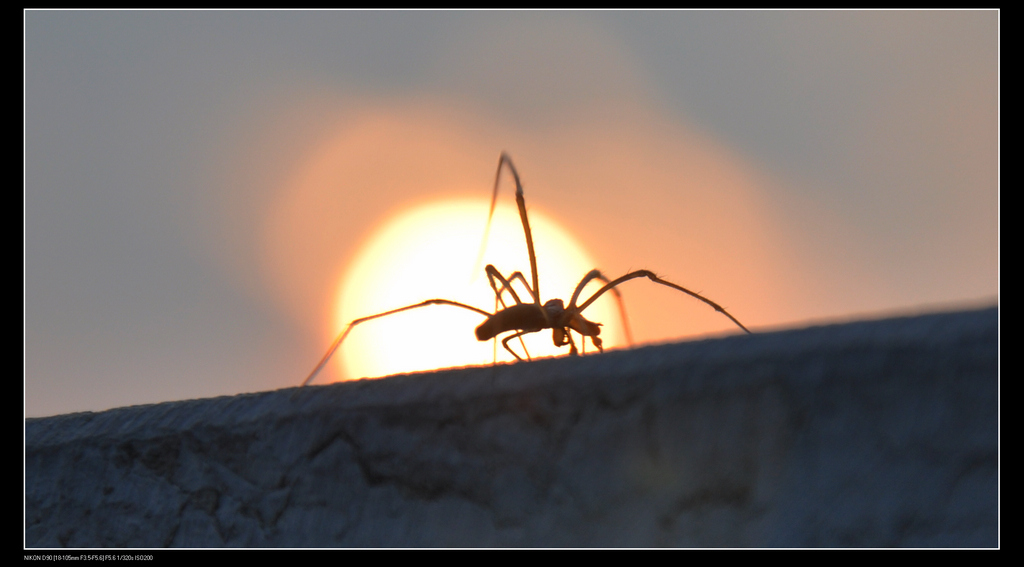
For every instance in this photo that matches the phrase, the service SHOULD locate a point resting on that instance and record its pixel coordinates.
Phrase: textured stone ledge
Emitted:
(880, 433)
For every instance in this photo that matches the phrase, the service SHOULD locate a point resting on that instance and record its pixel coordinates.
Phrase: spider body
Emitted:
(528, 318)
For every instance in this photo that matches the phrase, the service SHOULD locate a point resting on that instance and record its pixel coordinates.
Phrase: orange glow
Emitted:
(429, 252)
(640, 193)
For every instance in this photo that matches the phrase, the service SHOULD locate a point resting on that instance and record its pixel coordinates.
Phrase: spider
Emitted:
(523, 317)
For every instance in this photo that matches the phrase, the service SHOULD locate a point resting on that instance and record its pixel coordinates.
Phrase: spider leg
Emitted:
(504, 343)
(521, 203)
(651, 276)
(492, 274)
(596, 274)
(519, 276)
(506, 284)
(337, 342)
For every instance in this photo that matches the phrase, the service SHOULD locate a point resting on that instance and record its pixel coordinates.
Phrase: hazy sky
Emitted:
(197, 181)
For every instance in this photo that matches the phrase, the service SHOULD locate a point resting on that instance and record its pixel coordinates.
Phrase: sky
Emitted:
(198, 182)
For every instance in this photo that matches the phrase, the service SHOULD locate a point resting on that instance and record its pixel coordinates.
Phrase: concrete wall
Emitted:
(866, 434)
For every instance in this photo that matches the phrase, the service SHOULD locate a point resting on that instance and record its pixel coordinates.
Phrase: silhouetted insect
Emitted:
(526, 318)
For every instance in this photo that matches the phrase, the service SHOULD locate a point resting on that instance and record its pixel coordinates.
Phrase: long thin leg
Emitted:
(596, 274)
(492, 274)
(337, 342)
(521, 203)
(650, 275)
(519, 276)
(506, 284)
(504, 343)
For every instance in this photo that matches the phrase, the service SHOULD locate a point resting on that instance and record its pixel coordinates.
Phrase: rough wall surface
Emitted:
(875, 434)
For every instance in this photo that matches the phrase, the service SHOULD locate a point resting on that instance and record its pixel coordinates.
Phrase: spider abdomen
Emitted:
(524, 317)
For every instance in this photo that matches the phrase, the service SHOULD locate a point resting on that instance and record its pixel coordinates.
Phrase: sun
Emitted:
(431, 251)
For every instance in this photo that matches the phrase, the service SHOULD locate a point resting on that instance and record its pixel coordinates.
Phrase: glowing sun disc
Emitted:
(430, 252)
